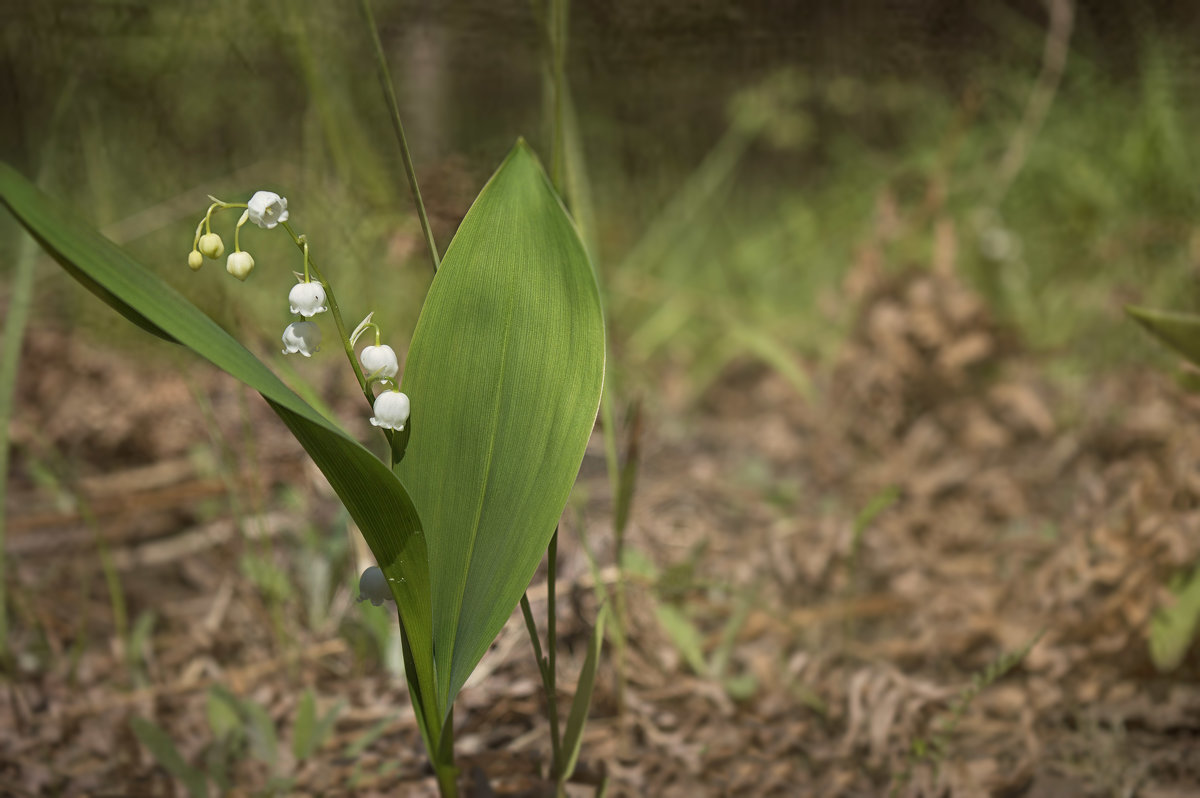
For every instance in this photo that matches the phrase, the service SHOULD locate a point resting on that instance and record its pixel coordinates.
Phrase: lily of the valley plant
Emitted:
(486, 425)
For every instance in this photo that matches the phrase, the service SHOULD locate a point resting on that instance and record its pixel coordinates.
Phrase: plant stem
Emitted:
(336, 312)
(14, 334)
(443, 760)
(389, 96)
(558, 55)
(551, 648)
(613, 462)
(557, 24)
(531, 627)
(546, 663)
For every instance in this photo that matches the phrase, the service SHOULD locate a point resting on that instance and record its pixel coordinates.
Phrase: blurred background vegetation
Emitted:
(734, 162)
(737, 154)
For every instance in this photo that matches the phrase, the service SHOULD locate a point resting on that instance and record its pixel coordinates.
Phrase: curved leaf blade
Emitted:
(582, 702)
(374, 497)
(1180, 331)
(504, 371)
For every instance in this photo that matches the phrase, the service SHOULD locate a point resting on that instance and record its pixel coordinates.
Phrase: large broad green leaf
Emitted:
(1180, 331)
(504, 373)
(374, 497)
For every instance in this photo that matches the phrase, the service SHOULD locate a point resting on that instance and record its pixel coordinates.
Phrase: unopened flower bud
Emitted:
(303, 337)
(239, 264)
(195, 260)
(391, 410)
(212, 246)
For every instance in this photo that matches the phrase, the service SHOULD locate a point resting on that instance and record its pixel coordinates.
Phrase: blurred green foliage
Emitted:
(736, 156)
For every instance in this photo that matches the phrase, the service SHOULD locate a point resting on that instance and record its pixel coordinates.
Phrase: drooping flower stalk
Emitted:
(301, 243)
(312, 295)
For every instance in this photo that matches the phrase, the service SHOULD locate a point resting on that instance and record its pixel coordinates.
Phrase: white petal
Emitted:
(267, 209)
(301, 337)
(307, 299)
(380, 360)
(391, 410)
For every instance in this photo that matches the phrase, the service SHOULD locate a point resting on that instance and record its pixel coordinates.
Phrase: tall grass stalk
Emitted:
(559, 14)
(936, 748)
(15, 323)
(10, 356)
(389, 96)
(438, 737)
(1041, 98)
(554, 23)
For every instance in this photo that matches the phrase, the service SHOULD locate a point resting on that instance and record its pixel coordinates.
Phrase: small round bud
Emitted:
(239, 264)
(212, 246)
(195, 260)
(391, 410)
(308, 299)
(303, 337)
(380, 361)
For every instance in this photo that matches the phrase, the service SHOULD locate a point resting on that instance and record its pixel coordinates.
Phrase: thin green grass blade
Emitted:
(325, 724)
(577, 719)
(1173, 629)
(305, 727)
(261, 733)
(222, 710)
(166, 754)
(374, 497)
(684, 635)
(15, 320)
(504, 372)
(1180, 331)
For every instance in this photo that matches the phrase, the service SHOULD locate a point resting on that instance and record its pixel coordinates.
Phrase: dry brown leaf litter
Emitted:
(1025, 504)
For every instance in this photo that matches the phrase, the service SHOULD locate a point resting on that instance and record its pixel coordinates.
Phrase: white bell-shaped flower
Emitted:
(195, 260)
(308, 299)
(391, 410)
(211, 245)
(373, 586)
(303, 337)
(239, 264)
(267, 209)
(379, 361)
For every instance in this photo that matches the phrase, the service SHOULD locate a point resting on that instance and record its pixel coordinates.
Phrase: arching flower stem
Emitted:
(367, 324)
(237, 231)
(302, 243)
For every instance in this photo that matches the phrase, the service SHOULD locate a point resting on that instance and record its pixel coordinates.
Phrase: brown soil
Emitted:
(1028, 509)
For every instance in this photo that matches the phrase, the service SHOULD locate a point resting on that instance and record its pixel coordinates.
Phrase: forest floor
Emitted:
(815, 583)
